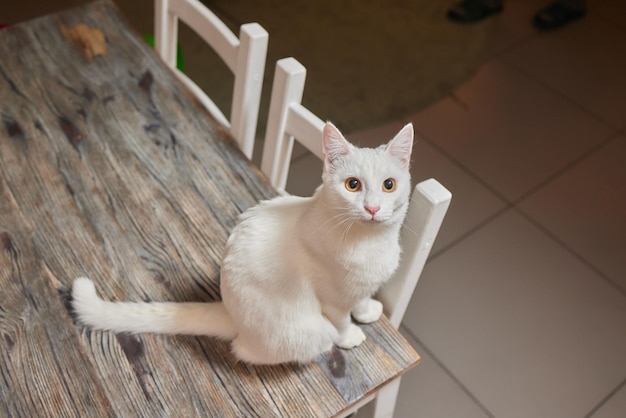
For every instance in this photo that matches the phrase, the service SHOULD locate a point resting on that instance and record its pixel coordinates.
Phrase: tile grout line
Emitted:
(606, 399)
(495, 54)
(500, 56)
(462, 166)
(614, 136)
(514, 205)
(507, 203)
(471, 231)
(448, 372)
(571, 251)
(557, 93)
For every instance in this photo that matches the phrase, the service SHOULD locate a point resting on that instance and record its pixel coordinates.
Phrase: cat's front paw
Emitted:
(368, 311)
(352, 337)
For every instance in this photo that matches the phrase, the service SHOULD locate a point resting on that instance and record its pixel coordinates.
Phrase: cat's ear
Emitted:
(401, 145)
(334, 145)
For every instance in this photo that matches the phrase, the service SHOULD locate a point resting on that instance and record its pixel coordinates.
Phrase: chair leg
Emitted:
(384, 403)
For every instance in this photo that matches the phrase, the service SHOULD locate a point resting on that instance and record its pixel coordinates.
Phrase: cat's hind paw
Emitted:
(352, 337)
(368, 311)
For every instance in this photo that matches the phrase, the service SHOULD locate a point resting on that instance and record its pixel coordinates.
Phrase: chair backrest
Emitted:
(429, 204)
(289, 120)
(244, 56)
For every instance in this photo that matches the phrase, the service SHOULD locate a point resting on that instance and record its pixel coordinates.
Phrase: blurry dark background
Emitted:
(367, 61)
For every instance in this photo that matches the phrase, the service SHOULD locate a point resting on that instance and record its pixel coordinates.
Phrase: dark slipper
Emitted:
(556, 15)
(468, 11)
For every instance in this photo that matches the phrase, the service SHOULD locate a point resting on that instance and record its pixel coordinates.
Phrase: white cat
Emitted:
(294, 269)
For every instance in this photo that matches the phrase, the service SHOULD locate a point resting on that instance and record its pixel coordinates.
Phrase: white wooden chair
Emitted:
(244, 56)
(288, 120)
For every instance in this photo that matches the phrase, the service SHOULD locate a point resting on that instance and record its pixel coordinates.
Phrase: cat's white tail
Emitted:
(193, 318)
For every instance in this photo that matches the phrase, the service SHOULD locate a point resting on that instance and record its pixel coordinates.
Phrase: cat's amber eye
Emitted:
(389, 185)
(353, 185)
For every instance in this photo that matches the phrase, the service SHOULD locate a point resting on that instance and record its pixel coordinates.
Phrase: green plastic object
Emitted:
(180, 60)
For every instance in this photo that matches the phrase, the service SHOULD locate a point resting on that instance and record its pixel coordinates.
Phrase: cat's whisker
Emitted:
(408, 227)
(347, 220)
(347, 231)
(341, 217)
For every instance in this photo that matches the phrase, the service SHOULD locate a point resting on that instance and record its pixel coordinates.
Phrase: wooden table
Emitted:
(110, 169)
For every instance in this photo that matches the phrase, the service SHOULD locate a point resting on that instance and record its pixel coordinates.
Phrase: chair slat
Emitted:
(244, 56)
(210, 28)
(429, 204)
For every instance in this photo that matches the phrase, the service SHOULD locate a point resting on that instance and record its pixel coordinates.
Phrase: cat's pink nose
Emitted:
(372, 209)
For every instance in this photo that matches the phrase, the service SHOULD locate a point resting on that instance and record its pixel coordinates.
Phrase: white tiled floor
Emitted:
(521, 310)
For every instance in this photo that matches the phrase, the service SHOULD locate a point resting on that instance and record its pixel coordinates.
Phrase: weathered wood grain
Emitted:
(110, 169)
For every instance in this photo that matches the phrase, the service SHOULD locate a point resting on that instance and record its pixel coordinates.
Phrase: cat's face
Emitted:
(370, 185)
